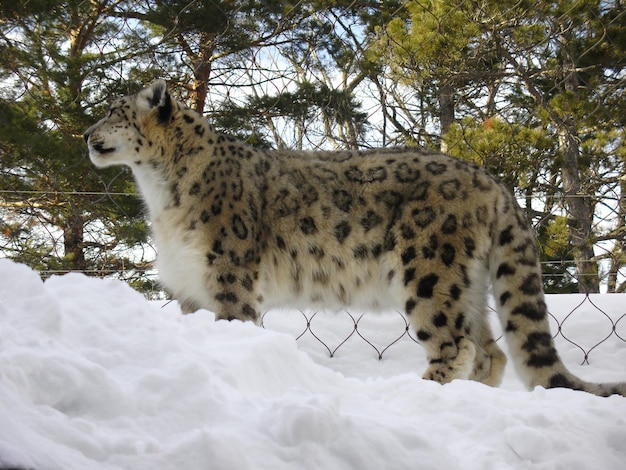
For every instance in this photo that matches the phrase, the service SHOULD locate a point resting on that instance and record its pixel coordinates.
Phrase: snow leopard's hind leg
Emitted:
(490, 360)
(450, 323)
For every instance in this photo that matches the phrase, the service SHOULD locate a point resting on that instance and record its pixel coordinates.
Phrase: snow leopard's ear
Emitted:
(157, 96)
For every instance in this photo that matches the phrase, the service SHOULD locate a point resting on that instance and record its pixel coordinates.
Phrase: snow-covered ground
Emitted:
(93, 376)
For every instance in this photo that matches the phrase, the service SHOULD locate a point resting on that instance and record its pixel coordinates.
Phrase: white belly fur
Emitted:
(360, 286)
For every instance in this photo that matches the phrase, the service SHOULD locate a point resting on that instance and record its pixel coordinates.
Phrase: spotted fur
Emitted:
(239, 230)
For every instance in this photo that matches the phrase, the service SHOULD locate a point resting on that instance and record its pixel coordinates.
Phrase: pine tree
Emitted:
(56, 213)
(555, 66)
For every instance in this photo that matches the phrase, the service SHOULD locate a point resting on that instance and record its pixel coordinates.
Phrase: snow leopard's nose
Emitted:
(88, 132)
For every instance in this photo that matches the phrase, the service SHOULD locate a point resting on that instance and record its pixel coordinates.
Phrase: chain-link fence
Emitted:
(587, 322)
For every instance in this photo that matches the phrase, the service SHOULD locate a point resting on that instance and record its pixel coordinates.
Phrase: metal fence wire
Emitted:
(588, 322)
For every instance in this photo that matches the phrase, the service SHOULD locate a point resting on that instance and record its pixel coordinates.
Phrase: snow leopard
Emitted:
(240, 230)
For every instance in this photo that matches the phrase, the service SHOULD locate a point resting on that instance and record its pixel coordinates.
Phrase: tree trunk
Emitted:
(578, 204)
(618, 253)
(201, 71)
(73, 242)
(446, 111)
(80, 33)
(617, 256)
(579, 213)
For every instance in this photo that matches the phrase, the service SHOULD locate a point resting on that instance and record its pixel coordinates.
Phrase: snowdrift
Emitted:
(93, 376)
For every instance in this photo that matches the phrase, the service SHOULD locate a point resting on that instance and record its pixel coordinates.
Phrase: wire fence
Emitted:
(589, 323)
(338, 332)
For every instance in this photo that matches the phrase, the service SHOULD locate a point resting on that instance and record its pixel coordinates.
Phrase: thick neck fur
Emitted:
(154, 188)
(158, 179)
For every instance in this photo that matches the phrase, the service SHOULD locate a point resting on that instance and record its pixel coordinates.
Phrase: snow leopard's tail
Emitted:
(519, 297)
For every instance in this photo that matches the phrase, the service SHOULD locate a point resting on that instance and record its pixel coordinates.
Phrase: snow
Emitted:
(93, 376)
